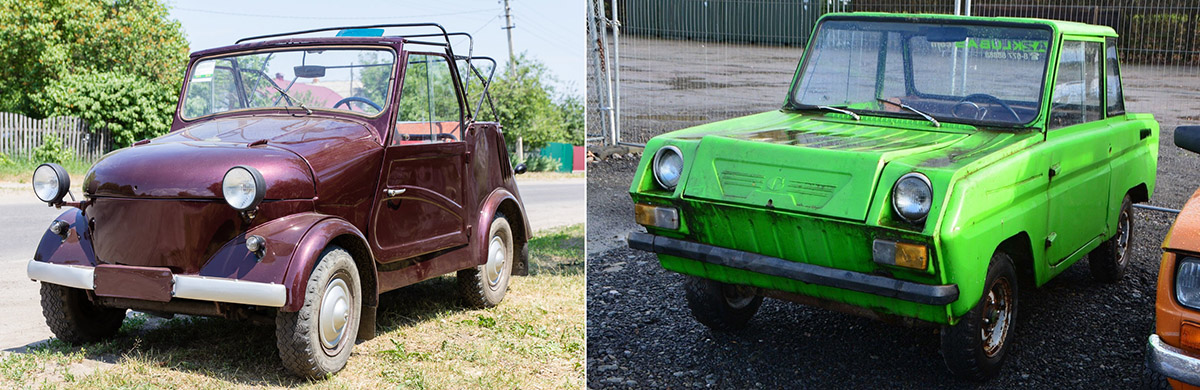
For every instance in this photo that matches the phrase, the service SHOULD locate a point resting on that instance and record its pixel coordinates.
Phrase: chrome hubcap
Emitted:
(997, 316)
(1122, 236)
(335, 313)
(737, 296)
(497, 256)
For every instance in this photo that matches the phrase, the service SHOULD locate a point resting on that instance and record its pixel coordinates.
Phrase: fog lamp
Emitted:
(900, 254)
(657, 216)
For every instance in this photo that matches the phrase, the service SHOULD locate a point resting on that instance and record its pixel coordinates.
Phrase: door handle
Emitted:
(1053, 171)
(394, 192)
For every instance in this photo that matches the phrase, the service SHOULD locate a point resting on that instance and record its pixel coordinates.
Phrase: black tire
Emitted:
(720, 306)
(1109, 261)
(485, 285)
(75, 319)
(298, 335)
(963, 345)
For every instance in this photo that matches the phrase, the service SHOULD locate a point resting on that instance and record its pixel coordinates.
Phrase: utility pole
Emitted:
(512, 68)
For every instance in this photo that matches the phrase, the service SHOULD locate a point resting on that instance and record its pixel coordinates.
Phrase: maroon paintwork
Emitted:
(157, 206)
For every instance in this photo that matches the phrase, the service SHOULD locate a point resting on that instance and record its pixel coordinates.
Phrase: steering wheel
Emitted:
(359, 99)
(982, 112)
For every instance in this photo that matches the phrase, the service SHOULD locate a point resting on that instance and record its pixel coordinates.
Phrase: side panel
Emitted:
(420, 207)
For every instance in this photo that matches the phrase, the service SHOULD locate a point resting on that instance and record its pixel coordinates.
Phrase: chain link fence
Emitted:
(688, 62)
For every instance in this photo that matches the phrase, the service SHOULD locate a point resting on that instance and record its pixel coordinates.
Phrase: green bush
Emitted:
(537, 163)
(52, 150)
(4, 160)
(131, 107)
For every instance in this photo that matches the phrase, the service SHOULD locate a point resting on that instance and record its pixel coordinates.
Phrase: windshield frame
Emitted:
(1052, 44)
(387, 107)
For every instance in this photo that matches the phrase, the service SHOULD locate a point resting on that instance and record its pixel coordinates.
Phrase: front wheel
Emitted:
(316, 341)
(1109, 261)
(721, 306)
(486, 285)
(75, 319)
(975, 347)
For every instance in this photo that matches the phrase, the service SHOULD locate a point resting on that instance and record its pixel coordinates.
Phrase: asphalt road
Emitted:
(23, 219)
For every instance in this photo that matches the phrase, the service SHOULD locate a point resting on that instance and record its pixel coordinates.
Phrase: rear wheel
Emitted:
(486, 285)
(976, 346)
(721, 306)
(316, 341)
(1109, 261)
(75, 319)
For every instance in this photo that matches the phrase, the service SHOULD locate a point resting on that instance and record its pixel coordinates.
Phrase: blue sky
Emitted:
(551, 31)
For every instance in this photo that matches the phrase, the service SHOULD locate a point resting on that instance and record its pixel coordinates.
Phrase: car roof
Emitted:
(1061, 26)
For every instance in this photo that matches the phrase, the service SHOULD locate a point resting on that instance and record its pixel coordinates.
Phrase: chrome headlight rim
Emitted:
(1185, 260)
(658, 155)
(260, 187)
(61, 178)
(895, 194)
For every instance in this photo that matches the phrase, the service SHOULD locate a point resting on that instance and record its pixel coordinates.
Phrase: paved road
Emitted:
(23, 219)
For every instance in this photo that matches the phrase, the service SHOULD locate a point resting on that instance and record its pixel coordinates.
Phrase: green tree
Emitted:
(61, 43)
(527, 106)
(131, 107)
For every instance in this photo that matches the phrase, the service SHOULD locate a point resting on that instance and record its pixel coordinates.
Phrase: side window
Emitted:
(429, 110)
(1116, 99)
(1077, 86)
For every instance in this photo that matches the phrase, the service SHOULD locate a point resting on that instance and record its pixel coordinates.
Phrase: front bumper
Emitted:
(806, 273)
(1172, 362)
(182, 286)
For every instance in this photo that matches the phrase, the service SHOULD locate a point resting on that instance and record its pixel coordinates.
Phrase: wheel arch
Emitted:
(504, 202)
(330, 231)
(1139, 193)
(1019, 247)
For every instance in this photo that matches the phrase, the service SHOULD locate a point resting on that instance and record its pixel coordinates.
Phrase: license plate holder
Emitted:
(123, 281)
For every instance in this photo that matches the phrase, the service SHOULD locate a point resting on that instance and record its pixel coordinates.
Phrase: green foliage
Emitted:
(52, 150)
(536, 163)
(132, 107)
(528, 107)
(4, 160)
(428, 85)
(47, 47)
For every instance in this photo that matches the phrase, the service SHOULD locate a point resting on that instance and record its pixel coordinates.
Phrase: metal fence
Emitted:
(21, 135)
(688, 62)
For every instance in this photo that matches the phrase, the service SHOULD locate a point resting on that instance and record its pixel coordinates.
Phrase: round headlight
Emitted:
(668, 166)
(912, 197)
(243, 187)
(50, 182)
(1187, 282)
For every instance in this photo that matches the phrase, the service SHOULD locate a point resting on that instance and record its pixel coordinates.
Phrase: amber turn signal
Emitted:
(901, 254)
(657, 216)
(1189, 336)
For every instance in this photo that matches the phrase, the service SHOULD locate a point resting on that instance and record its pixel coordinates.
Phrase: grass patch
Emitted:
(20, 170)
(550, 175)
(427, 340)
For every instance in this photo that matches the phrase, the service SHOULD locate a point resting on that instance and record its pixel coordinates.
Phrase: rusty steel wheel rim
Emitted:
(1123, 233)
(996, 316)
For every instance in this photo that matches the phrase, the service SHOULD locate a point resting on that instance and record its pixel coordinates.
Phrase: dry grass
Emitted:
(427, 340)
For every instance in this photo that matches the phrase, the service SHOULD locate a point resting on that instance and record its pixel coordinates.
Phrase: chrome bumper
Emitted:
(183, 286)
(1172, 362)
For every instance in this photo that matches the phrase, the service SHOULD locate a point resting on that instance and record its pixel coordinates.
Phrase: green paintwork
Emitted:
(815, 187)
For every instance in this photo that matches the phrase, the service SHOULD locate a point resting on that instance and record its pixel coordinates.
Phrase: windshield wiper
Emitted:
(841, 110)
(288, 97)
(907, 107)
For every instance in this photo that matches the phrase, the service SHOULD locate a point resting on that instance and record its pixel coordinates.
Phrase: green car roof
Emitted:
(1061, 26)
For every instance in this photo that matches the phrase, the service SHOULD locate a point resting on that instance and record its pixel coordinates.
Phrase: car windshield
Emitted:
(347, 80)
(954, 72)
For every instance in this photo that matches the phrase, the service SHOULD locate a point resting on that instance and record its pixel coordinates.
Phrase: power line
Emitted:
(329, 17)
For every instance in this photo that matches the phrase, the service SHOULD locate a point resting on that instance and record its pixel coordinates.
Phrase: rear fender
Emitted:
(500, 200)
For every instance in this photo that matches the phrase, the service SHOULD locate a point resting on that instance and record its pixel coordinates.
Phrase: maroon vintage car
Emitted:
(304, 175)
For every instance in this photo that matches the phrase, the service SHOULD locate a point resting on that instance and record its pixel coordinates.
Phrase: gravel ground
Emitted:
(1072, 333)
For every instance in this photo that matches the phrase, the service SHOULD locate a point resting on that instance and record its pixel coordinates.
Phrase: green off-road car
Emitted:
(921, 169)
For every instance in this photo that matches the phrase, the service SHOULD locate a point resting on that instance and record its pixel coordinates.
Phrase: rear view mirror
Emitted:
(1188, 137)
(520, 168)
(309, 71)
(946, 34)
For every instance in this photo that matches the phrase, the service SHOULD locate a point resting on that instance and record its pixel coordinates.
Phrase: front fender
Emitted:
(307, 252)
(501, 199)
(75, 249)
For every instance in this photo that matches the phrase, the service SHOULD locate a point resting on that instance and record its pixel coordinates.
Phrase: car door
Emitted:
(420, 205)
(1078, 139)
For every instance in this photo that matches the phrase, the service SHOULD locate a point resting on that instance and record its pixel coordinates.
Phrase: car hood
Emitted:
(823, 165)
(191, 162)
